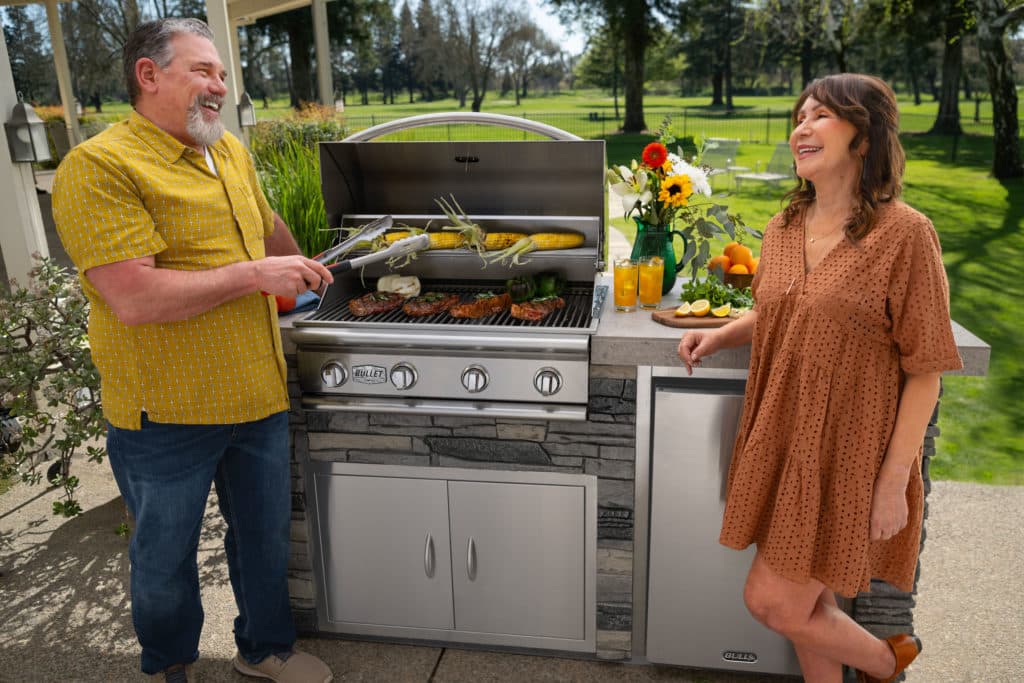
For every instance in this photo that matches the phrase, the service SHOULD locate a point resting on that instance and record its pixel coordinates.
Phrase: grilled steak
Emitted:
(484, 306)
(429, 304)
(375, 302)
(537, 309)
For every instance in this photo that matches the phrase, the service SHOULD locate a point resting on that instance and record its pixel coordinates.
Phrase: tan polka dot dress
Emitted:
(827, 359)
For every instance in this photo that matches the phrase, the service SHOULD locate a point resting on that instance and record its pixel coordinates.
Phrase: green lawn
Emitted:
(979, 221)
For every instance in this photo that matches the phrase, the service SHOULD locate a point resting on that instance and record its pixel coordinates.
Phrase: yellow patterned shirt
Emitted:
(135, 191)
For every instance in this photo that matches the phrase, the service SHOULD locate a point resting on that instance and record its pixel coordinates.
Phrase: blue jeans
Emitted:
(164, 472)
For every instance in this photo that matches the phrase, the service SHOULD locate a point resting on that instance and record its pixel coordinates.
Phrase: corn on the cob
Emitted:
(495, 241)
(438, 240)
(541, 241)
(471, 233)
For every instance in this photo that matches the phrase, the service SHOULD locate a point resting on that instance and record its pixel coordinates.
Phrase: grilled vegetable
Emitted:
(438, 240)
(549, 284)
(472, 234)
(406, 285)
(521, 288)
(541, 241)
(496, 241)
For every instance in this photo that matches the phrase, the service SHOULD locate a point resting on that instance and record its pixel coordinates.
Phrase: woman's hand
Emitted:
(888, 505)
(696, 344)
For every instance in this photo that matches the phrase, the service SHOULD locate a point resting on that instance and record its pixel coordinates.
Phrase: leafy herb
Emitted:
(717, 293)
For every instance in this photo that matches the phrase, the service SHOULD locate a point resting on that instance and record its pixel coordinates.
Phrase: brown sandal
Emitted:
(906, 648)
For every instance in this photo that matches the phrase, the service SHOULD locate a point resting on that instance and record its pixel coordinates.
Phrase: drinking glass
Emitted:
(652, 271)
(625, 284)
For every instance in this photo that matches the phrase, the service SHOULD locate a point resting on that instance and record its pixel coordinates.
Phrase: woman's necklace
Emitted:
(811, 238)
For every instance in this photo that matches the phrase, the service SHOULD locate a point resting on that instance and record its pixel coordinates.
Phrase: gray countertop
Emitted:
(635, 339)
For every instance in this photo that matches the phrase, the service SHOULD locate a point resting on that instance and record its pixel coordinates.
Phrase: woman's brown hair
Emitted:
(870, 105)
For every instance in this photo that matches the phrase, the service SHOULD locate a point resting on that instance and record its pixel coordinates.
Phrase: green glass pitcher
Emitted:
(656, 240)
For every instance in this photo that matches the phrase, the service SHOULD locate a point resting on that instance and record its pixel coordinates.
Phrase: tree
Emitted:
(631, 19)
(956, 23)
(429, 69)
(31, 63)
(995, 19)
(601, 64)
(710, 30)
(407, 39)
(478, 35)
(528, 48)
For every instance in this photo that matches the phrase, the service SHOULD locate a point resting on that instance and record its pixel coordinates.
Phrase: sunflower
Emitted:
(676, 190)
(654, 154)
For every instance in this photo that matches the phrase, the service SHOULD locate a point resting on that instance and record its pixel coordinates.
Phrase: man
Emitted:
(174, 243)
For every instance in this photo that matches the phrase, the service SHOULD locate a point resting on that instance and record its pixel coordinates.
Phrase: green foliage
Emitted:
(48, 380)
(288, 165)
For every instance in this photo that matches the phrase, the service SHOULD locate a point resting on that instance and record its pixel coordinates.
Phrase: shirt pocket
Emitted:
(247, 217)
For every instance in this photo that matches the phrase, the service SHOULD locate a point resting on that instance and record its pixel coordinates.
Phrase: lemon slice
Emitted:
(700, 307)
(683, 310)
(721, 311)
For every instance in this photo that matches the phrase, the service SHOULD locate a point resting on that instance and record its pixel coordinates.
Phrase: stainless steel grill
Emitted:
(497, 365)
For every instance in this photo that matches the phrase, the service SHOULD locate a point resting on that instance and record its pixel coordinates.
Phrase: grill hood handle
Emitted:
(406, 245)
(477, 118)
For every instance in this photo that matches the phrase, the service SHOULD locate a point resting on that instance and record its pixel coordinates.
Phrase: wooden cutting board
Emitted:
(667, 316)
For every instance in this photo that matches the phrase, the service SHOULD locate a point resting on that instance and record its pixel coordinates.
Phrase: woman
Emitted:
(848, 339)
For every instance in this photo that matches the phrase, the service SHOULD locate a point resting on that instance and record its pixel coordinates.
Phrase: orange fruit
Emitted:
(741, 255)
(728, 249)
(739, 269)
(754, 263)
(722, 262)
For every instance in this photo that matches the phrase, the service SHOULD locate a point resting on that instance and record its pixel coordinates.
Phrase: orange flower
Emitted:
(655, 154)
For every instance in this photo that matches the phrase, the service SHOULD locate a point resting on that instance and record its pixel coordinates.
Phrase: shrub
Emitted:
(48, 381)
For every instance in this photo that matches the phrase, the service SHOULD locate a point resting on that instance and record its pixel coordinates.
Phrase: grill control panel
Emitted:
(403, 376)
(333, 374)
(547, 381)
(475, 379)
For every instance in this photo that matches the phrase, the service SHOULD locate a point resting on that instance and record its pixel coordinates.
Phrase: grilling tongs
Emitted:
(402, 247)
(366, 233)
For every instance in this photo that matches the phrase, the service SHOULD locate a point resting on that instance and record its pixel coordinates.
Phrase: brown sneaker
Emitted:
(288, 667)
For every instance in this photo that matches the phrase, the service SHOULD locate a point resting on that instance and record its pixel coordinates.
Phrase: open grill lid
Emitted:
(528, 186)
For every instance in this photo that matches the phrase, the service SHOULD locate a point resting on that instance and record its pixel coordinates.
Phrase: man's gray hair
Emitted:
(153, 40)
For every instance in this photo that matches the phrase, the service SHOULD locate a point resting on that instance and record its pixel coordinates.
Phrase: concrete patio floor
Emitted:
(64, 607)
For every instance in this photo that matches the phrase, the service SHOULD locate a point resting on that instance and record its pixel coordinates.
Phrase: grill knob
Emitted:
(333, 374)
(547, 381)
(403, 376)
(475, 379)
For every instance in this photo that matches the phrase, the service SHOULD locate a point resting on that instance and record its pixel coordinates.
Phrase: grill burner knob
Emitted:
(475, 379)
(403, 376)
(547, 381)
(333, 374)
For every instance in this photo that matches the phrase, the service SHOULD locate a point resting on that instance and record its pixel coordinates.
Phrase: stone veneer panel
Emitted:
(604, 446)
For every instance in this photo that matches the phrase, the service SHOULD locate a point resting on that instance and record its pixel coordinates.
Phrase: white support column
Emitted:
(324, 81)
(221, 26)
(236, 58)
(60, 61)
(21, 225)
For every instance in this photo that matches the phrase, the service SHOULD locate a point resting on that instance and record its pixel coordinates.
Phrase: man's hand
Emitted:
(290, 275)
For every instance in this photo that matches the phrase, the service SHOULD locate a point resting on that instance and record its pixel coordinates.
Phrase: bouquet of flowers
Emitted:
(665, 190)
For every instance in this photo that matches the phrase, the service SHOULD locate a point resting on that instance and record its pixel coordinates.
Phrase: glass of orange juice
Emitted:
(652, 271)
(625, 273)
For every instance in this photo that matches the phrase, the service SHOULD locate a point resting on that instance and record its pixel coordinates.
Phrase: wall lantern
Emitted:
(246, 111)
(26, 134)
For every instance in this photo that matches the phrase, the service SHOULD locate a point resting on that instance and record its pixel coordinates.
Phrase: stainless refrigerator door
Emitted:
(696, 616)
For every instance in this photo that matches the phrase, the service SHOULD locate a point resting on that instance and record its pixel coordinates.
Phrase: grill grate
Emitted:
(575, 315)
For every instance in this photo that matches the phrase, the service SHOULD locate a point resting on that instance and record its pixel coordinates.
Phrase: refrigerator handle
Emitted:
(428, 556)
(471, 559)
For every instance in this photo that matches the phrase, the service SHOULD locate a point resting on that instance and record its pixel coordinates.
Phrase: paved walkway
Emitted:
(64, 608)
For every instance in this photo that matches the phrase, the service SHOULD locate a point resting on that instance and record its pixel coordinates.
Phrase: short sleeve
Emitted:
(99, 213)
(767, 252)
(918, 302)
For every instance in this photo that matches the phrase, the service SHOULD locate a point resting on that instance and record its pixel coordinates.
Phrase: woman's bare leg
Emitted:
(824, 636)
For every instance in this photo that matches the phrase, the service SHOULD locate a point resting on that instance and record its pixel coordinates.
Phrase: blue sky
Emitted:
(571, 41)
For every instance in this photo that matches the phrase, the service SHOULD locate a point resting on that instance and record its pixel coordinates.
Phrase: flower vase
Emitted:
(657, 240)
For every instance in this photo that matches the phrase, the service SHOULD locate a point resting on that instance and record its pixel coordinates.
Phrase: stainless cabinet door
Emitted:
(517, 558)
(386, 554)
(695, 615)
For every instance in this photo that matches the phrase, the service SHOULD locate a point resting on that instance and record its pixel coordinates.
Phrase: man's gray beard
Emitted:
(204, 132)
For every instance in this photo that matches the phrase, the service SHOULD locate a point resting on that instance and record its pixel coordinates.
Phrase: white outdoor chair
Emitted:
(780, 168)
(719, 154)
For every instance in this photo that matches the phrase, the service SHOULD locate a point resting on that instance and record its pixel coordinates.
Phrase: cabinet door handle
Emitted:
(428, 557)
(471, 559)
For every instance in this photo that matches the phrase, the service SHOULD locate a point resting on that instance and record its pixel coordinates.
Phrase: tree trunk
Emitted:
(716, 88)
(302, 67)
(634, 31)
(947, 122)
(992, 23)
(806, 62)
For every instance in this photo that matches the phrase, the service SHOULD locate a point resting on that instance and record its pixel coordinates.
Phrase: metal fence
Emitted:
(755, 126)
